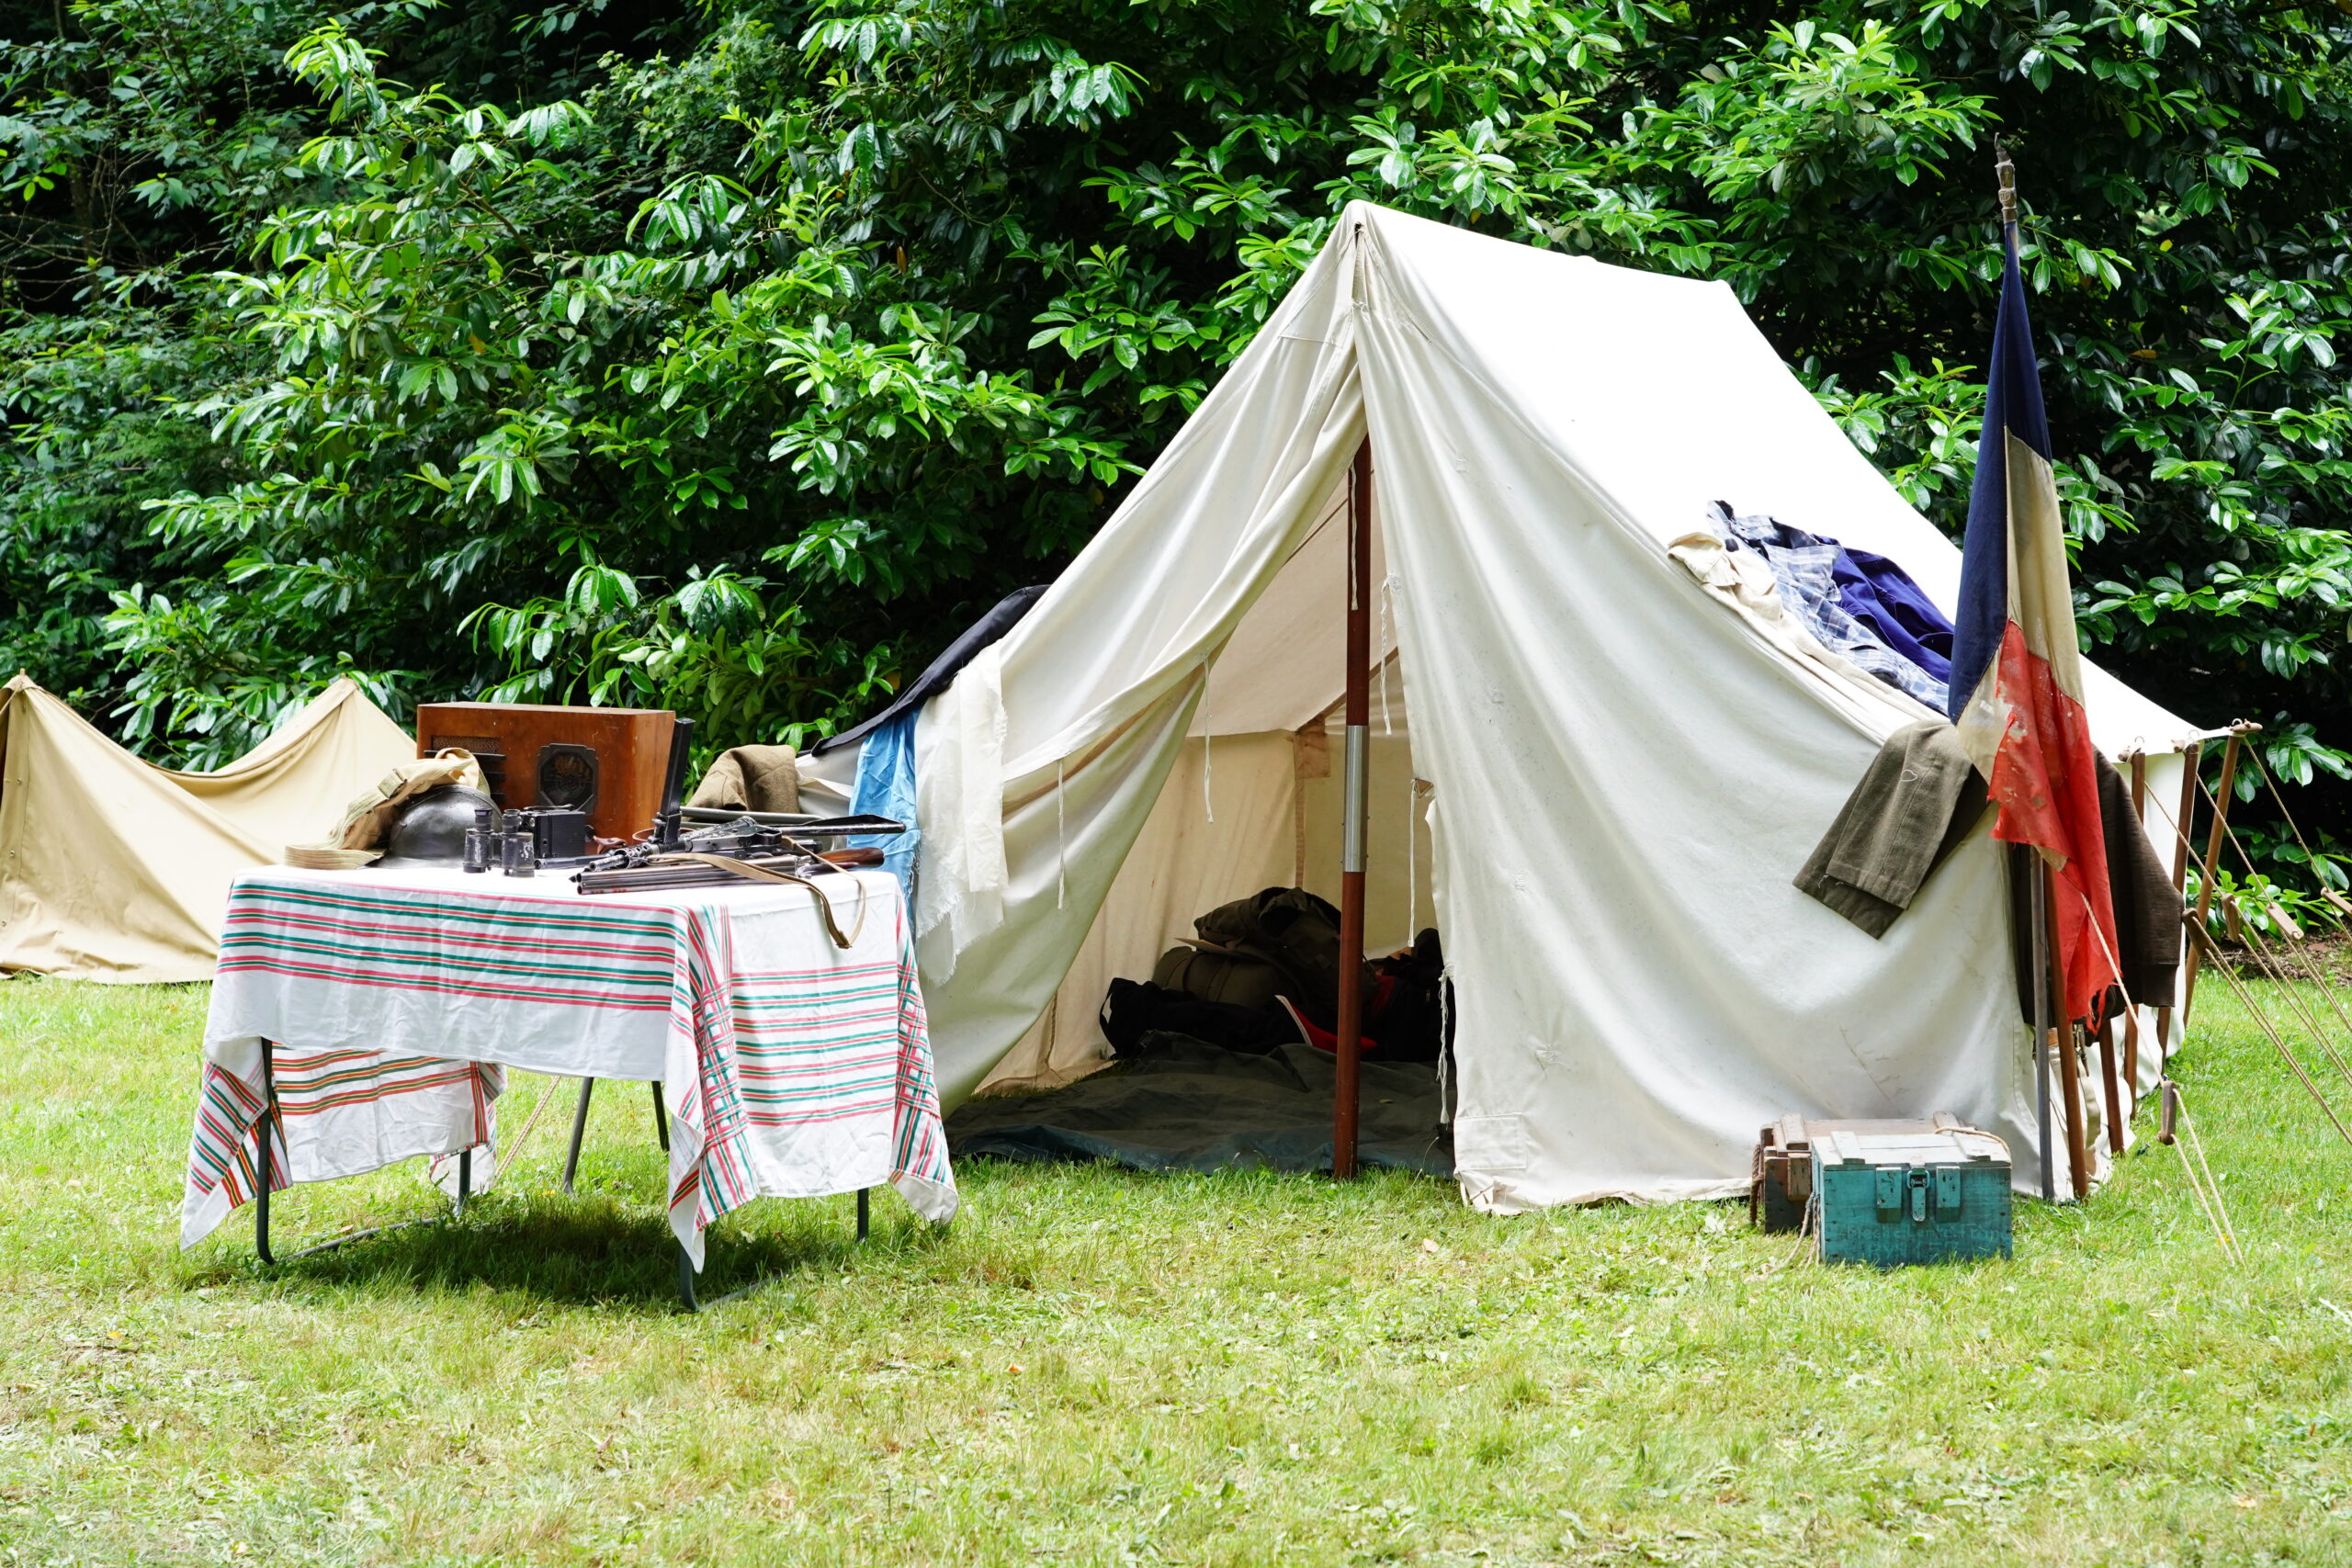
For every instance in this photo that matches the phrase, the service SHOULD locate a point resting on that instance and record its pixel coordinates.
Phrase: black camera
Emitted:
(558, 833)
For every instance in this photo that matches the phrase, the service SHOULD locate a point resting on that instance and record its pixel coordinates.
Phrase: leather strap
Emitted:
(754, 872)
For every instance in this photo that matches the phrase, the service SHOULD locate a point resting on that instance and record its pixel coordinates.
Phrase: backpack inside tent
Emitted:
(1625, 762)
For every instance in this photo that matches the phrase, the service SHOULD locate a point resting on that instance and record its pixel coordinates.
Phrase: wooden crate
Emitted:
(1780, 1178)
(610, 762)
(1889, 1199)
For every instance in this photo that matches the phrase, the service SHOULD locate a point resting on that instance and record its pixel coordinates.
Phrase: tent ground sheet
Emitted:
(1186, 1105)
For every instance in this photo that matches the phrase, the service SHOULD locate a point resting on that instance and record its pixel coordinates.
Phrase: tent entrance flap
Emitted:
(1246, 809)
(1239, 813)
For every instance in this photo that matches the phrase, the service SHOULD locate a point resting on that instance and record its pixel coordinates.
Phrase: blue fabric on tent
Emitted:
(1805, 568)
(1882, 596)
(1860, 605)
(886, 787)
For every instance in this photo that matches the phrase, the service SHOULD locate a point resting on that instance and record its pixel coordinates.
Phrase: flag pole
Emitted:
(2007, 172)
(2025, 861)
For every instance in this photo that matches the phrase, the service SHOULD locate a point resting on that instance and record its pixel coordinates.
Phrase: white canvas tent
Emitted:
(113, 868)
(1624, 769)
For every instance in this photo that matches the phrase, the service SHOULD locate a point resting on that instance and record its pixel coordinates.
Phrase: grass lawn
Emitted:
(1094, 1366)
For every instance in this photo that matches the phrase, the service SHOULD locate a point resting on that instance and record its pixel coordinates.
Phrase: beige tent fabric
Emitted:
(112, 869)
(1624, 773)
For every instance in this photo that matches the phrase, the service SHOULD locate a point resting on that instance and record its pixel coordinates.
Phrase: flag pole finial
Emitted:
(2009, 176)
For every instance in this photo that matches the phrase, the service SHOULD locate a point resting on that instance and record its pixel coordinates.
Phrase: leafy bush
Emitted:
(734, 361)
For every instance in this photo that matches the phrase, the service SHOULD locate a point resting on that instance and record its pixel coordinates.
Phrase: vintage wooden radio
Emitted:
(609, 763)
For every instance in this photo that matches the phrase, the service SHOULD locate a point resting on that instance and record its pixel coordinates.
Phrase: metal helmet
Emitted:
(430, 832)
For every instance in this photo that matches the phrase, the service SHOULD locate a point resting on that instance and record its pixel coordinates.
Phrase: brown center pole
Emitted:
(1355, 796)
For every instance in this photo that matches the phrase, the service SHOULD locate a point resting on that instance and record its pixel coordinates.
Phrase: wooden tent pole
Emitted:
(2024, 862)
(2113, 1086)
(2063, 1056)
(2212, 861)
(2131, 1004)
(1355, 796)
(2191, 760)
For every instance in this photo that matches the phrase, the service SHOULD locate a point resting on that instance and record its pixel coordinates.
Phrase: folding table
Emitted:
(363, 1018)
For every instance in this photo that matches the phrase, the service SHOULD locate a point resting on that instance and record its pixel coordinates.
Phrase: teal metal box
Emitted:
(1894, 1197)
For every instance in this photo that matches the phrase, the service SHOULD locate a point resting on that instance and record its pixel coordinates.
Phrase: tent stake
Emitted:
(1351, 828)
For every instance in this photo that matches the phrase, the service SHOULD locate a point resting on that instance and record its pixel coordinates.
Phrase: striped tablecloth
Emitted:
(791, 1066)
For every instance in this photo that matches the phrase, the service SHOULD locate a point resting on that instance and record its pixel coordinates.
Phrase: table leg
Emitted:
(687, 1278)
(465, 1182)
(262, 1160)
(578, 1130)
(661, 1118)
(862, 1211)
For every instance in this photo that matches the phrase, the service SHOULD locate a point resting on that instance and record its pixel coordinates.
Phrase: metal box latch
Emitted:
(1922, 1191)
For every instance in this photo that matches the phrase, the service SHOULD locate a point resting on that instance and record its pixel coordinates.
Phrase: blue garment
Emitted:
(1882, 596)
(886, 787)
(1845, 604)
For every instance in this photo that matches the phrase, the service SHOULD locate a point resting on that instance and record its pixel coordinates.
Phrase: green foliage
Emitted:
(2273, 912)
(734, 361)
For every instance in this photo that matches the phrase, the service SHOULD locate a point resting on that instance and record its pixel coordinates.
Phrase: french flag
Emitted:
(2016, 672)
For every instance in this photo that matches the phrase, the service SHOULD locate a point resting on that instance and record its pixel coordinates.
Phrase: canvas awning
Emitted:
(113, 868)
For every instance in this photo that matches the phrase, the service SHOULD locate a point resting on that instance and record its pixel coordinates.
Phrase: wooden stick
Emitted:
(2191, 760)
(2062, 1040)
(2221, 798)
(2114, 1090)
(2131, 1007)
(2025, 863)
(1356, 795)
(2070, 1082)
